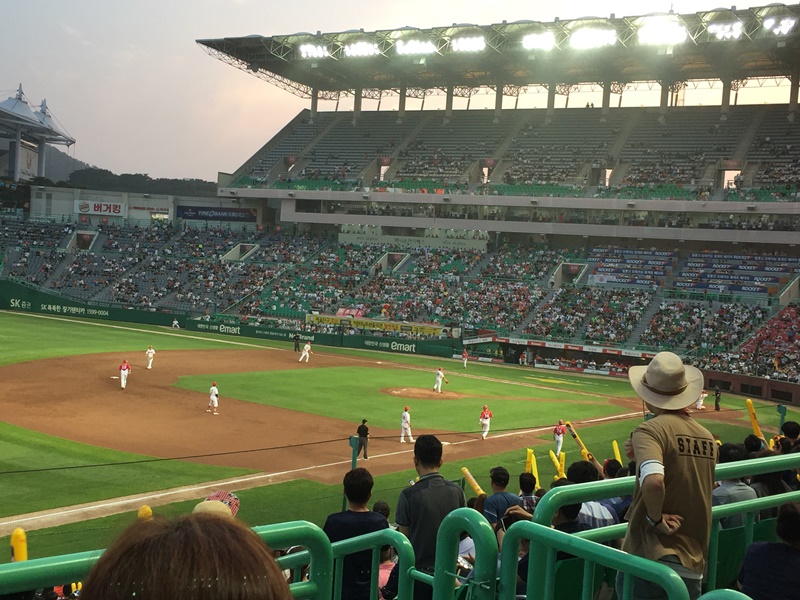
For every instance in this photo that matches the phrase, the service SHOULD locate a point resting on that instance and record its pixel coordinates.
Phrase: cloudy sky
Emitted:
(126, 79)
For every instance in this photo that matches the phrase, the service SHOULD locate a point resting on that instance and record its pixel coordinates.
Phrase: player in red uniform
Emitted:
(465, 356)
(486, 417)
(558, 436)
(124, 371)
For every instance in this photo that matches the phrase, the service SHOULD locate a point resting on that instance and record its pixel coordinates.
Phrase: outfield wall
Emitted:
(444, 348)
(26, 298)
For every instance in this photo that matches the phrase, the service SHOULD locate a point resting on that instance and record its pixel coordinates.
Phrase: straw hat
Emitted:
(666, 382)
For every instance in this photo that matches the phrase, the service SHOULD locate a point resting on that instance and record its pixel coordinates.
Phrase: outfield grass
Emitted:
(344, 392)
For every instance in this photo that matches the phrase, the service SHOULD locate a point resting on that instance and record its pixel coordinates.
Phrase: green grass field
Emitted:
(38, 471)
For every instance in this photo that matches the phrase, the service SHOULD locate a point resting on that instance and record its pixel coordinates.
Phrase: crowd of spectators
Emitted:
(726, 329)
(616, 314)
(672, 323)
(522, 262)
(35, 265)
(132, 239)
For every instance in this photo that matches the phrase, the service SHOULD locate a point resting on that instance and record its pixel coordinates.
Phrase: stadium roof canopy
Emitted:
(727, 44)
(16, 115)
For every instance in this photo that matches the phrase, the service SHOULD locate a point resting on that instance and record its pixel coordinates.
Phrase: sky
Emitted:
(126, 79)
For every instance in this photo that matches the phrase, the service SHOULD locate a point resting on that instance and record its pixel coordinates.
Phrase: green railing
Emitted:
(324, 559)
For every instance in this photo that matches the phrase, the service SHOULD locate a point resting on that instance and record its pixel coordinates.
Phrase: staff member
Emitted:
(363, 438)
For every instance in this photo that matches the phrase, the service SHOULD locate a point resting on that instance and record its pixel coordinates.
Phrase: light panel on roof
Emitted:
(313, 51)
(780, 27)
(539, 41)
(361, 49)
(726, 31)
(586, 38)
(468, 44)
(415, 47)
(662, 31)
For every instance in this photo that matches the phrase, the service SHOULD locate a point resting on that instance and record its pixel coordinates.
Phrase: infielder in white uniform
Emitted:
(306, 352)
(150, 353)
(437, 387)
(405, 426)
(124, 371)
(213, 399)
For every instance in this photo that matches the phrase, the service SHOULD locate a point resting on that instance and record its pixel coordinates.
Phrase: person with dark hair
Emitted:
(753, 444)
(357, 520)
(769, 569)
(422, 507)
(593, 513)
(610, 468)
(717, 398)
(769, 484)
(732, 490)
(363, 438)
(791, 429)
(194, 557)
(498, 502)
(527, 487)
(670, 516)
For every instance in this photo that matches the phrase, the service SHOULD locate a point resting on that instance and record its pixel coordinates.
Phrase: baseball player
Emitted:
(150, 353)
(437, 387)
(558, 435)
(698, 405)
(485, 419)
(213, 399)
(175, 324)
(465, 357)
(124, 371)
(405, 426)
(306, 352)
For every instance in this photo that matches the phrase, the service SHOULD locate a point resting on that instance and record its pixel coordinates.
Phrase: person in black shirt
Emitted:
(363, 438)
(296, 342)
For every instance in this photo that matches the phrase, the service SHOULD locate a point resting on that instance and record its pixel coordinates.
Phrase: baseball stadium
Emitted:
(537, 258)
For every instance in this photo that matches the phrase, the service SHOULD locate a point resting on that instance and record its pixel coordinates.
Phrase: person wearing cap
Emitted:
(363, 437)
(558, 435)
(485, 419)
(213, 399)
(670, 516)
(405, 426)
(437, 387)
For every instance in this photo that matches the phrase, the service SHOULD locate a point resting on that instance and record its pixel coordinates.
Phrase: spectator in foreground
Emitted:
(527, 488)
(357, 520)
(731, 491)
(769, 570)
(496, 505)
(194, 557)
(670, 517)
(423, 506)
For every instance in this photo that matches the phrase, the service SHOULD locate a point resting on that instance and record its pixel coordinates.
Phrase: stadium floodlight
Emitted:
(361, 49)
(726, 31)
(661, 31)
(468, 44)
(418, 47)
(586, 38)
(539, 41)
(313, 51)
(782, 27)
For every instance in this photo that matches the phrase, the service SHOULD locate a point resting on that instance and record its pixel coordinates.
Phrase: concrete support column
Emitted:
(794, 80)
(401, 106)
(726, 98)
(42, 167)
(314, 104)
(448, 105)
(357, 105)
(17, 158)
(498, 102)
(551, 99)
(605, 109)
(664, 104)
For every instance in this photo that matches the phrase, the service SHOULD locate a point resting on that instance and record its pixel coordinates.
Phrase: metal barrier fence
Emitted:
(324, 558)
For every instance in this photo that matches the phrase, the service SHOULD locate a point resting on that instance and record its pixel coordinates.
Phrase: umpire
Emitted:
(297, 342)
(363, 438)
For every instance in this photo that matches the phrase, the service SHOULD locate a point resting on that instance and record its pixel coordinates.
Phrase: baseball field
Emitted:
(78, 455)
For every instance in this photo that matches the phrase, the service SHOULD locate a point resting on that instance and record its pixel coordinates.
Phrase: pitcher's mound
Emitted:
(421, 393)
